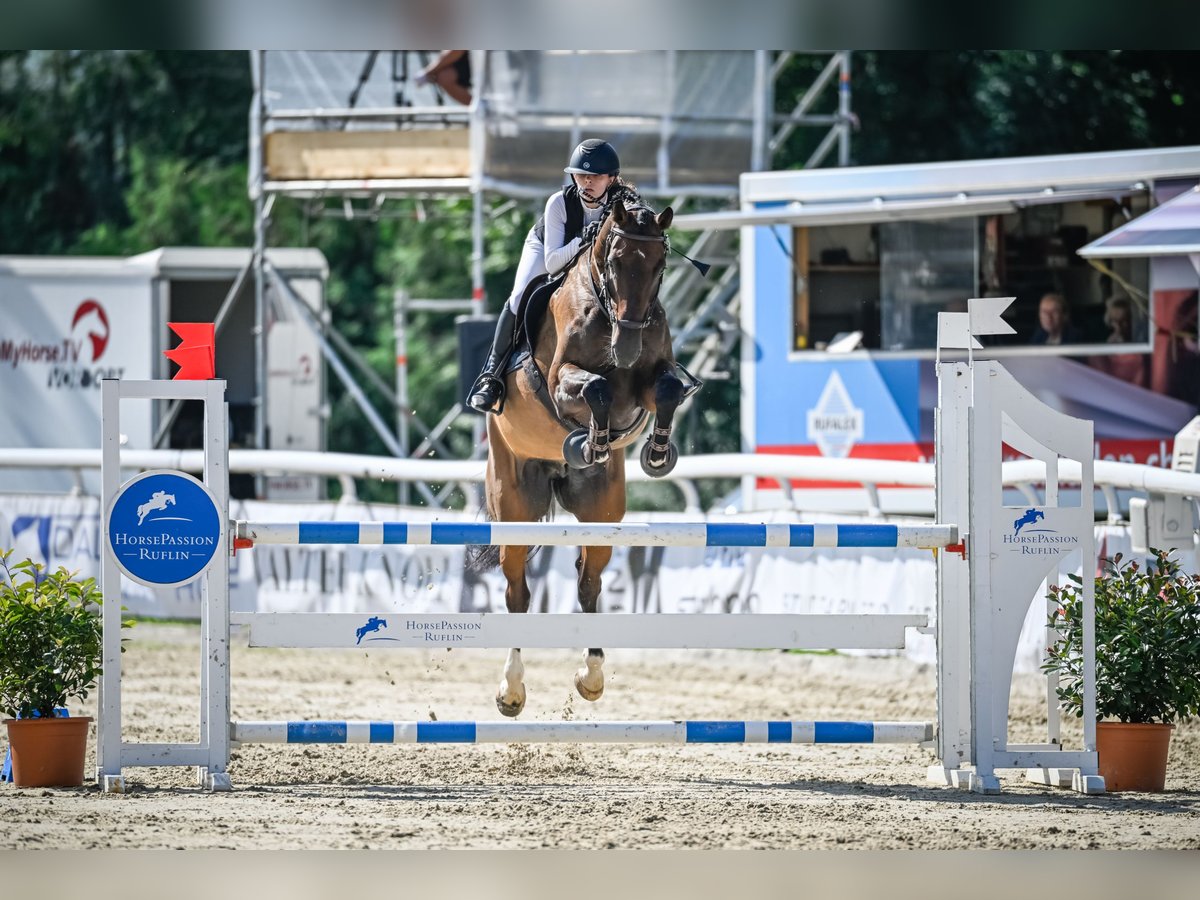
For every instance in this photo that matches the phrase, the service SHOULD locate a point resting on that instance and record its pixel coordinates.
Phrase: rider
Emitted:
(571, 219)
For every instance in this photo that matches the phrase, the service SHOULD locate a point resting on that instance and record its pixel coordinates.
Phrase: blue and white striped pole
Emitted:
(629, 534)
(674, 732)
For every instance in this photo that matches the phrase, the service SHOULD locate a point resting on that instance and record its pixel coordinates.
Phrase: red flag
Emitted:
(196, 353)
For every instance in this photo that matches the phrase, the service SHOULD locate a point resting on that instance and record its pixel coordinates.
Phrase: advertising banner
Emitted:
(60, 335)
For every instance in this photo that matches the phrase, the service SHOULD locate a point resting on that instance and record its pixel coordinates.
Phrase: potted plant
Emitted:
(51, 649)
(1147, 663)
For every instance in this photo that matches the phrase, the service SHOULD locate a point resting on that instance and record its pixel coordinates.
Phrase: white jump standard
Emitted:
(998, 558)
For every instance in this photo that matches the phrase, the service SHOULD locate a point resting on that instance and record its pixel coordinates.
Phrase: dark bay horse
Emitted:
(604, 365)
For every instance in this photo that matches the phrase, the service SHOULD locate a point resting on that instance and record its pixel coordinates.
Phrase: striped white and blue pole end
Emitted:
(657, 534)
(674, 732)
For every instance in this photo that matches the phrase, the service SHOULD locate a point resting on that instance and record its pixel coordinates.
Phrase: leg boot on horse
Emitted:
(488, 390)
(659, 453)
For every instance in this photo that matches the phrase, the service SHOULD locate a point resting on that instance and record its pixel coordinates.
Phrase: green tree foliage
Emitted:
(73, 122)
(918, 106)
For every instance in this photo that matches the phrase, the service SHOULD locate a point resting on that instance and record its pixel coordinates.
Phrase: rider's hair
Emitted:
(625, 191)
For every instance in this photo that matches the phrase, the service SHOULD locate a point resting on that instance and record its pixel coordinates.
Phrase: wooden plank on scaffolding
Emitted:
(412, 153)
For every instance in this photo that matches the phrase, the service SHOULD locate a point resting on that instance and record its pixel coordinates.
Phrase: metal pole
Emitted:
(400, 327)
(260, 239)
(759, 137)
(844, 111)
(478, 297)
(664, 128)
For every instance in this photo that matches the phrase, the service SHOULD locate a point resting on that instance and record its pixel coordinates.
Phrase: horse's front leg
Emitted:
(510, 698)
(578, 387)
(659, 454)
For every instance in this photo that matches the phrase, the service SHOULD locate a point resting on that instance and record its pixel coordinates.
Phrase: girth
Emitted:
(542, 392)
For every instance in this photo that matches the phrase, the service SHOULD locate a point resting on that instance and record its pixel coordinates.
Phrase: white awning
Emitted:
(1172, 229)
(880, 209)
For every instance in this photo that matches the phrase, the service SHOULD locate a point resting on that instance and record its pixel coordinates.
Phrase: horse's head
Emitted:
(629, 258)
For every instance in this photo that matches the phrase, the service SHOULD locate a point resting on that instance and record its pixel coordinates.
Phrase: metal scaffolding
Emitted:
(356, 129)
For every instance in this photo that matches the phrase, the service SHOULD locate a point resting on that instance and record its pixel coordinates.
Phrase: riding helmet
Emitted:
(594, 157)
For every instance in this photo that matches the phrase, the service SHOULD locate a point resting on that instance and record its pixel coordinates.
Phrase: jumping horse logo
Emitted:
(373, 624)
(1031, 516)
(158, 500)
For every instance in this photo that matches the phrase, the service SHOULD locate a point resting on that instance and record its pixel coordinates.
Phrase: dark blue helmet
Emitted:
(594, 157)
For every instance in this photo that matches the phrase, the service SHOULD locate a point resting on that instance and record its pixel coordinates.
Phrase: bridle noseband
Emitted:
(601, 290)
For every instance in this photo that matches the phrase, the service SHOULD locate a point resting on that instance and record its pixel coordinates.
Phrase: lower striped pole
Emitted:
(675, 732)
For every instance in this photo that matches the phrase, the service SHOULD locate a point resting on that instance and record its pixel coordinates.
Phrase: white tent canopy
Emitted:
(1172, 229)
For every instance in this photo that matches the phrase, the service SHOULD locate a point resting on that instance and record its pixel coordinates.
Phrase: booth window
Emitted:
(889, 280)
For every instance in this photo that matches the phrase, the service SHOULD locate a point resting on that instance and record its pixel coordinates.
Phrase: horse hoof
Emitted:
(663, 468)
(512, 710)
(585, 692)
(573, 448)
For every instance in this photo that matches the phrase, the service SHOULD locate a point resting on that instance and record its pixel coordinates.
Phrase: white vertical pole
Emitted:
(763, 109)
(258, 107)
(478, 298)
(214, 694)
(108, 729)
(664, 128)
(1087, 563)
(953, 572)
(983, 450)
(400, 329)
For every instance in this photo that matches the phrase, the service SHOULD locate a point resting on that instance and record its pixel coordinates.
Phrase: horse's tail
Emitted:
(481, 557)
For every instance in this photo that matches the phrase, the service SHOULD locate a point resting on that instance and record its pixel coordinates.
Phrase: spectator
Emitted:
(1118, 316)
(1131, 367)
(451, 71)
(1054, 323)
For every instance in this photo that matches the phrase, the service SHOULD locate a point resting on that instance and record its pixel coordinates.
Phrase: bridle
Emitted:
(607, 275)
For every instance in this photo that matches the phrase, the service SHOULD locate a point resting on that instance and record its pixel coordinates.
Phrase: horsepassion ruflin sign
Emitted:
(164, 528)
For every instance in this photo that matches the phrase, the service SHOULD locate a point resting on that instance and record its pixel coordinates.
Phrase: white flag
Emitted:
(954, 332)
(985, 315)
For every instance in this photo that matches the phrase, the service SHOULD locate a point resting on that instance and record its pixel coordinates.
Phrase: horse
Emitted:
(158, 500)
(601, 364)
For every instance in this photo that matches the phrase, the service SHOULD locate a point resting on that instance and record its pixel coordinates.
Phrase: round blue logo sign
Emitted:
(164, 528)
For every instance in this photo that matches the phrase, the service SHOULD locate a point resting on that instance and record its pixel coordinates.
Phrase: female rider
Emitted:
(571, 216)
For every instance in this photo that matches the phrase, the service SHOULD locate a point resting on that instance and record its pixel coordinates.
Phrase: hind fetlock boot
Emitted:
(488, 389)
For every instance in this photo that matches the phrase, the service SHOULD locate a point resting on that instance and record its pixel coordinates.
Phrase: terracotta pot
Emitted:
(48, 752)
(1133, 757)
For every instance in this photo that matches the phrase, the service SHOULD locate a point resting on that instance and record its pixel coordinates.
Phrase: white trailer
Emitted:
(66, 323)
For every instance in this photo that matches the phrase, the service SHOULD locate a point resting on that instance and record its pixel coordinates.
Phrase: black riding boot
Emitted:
(488, 389)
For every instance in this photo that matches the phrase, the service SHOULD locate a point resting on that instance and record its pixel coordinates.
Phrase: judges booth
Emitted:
(845, 270)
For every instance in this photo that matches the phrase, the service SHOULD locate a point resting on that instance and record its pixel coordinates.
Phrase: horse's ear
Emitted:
(664, 218)
(618, 211)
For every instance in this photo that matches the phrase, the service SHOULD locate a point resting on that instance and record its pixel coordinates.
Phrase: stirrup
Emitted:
(483, 383)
